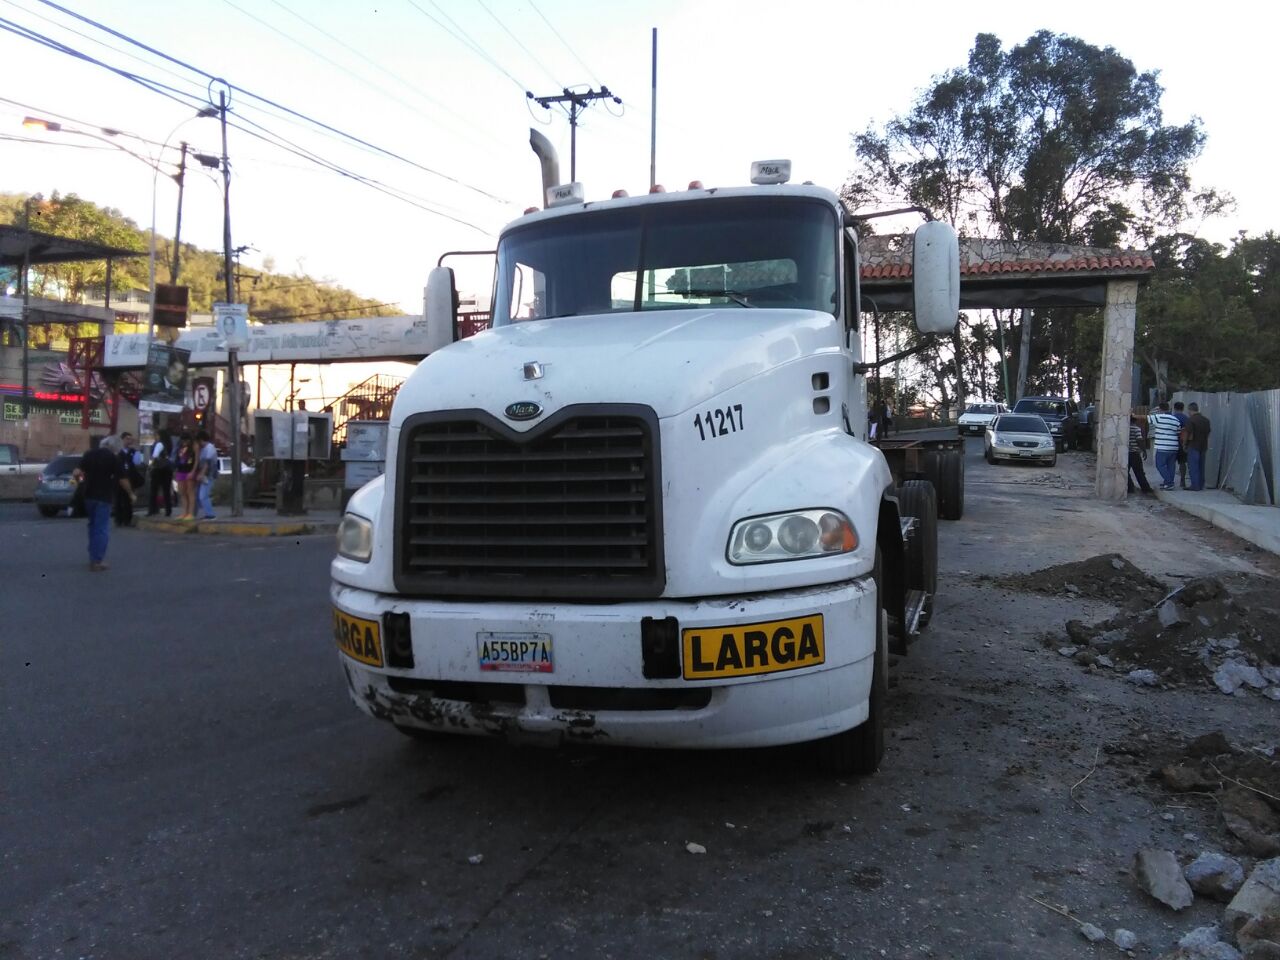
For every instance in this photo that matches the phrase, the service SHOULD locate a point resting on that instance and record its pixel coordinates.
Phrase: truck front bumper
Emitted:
(596, 689)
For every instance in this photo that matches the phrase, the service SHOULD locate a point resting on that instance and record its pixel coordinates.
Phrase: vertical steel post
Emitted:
(233, 365)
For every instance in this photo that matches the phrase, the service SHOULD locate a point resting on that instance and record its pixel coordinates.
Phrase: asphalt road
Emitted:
(183, 776)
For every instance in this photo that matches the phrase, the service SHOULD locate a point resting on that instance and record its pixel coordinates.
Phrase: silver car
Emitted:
(1020, 436)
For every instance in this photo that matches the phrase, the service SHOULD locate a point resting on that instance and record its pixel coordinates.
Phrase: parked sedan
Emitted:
(978, 416)
(56, 485)
(1014, 436)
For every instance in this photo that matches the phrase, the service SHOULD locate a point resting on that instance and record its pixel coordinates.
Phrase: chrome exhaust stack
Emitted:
(549, 160)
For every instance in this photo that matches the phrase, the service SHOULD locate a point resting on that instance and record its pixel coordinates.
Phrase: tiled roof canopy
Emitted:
(1002, 273)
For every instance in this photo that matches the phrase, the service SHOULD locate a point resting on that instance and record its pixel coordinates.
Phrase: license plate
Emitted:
(58, 484)
(359, 639)
(745, 649)
(514, 652)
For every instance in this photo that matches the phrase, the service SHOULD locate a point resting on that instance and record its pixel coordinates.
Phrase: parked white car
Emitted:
(978, 416)
(1018, 436)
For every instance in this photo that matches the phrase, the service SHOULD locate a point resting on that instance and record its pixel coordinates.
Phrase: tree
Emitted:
(1053, 140)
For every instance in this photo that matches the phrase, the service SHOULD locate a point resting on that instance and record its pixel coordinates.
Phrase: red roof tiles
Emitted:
(1118, 261)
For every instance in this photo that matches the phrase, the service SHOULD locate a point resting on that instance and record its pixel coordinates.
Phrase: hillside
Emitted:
(272, 297)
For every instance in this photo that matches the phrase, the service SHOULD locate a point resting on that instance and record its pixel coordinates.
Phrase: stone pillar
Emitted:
(1115, 391)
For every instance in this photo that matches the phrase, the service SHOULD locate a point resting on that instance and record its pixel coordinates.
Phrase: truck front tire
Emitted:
(860, 750)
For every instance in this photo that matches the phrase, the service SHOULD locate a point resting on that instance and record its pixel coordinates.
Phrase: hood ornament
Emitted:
(533, 370)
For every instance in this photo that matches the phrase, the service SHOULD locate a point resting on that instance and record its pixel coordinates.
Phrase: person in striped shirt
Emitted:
(1165, 432)
(1137, 453)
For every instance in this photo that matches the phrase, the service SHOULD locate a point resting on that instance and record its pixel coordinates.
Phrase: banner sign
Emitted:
(67, 416)
(164, 382)
(232, 321)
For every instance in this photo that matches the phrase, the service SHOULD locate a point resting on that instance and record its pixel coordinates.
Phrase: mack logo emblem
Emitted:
(524, 410)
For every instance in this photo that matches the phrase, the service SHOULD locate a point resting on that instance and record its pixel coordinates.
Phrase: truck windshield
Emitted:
(748, 252)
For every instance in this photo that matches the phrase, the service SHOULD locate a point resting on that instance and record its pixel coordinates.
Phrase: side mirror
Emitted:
(935, 273)
(440, 309)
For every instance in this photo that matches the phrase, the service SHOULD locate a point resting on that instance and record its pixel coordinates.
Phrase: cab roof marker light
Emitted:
(529, 210)
(564, 194)
(620, 194)
(657, 188)
(770, 171)
(696, 185)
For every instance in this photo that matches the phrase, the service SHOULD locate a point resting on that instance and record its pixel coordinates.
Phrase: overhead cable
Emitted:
(248, 93)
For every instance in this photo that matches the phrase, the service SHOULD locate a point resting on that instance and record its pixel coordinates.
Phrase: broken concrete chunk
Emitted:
(1105, 641)
(1272, 693)
(1143, 678)
(1091, 933)
(1171, 615)
(1234, 674)
(1124, 939)
(1068, 651)
(1260, 938)
(1105, 661)
(1258, 899)
(1205, 943)
(695, 847)
(1157, 873)
(1251, 819)
(1215, 875)
(1117, 563)
(1271, 673)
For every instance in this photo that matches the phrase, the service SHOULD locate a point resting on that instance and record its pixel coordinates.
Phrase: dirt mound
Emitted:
(1219, 631)
(1245, 783)
(1108, 576)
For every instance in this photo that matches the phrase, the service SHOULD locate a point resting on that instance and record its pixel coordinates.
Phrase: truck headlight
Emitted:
(791, 536)
(355, 538)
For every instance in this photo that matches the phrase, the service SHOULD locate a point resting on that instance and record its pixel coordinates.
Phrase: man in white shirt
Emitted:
(1165, 430)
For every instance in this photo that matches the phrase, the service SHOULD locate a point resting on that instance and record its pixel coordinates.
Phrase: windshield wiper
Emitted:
(739, 298)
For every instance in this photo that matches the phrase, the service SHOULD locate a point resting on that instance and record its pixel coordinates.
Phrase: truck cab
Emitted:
(641, 509)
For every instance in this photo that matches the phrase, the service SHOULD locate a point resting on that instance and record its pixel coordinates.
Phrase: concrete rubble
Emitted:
(1158, 874)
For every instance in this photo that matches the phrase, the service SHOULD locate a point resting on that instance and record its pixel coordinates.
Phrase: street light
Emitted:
(104, 134)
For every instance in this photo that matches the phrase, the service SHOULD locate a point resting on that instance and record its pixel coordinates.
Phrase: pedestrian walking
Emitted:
(873, 422)
(131, 473)
(1165, 429)
(1137, 454)
(100, 474)
(886, 418)
(1196, 441)
(206, 470)
(161, 475)
(1179, 411)
(184, 466)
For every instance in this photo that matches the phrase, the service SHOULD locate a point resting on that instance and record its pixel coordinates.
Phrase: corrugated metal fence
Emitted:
(1244, 442)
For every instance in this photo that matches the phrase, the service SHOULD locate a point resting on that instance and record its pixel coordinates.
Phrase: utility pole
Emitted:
(233, 365)
(1024, 352)
(26, 322)
(576, 103)
(177, 230)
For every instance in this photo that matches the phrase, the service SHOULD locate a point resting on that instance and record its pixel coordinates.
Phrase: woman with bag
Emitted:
(184, 466)
(161, 475)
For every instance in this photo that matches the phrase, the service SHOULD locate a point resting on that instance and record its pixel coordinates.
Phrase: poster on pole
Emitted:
(232, 322)
(164, 381)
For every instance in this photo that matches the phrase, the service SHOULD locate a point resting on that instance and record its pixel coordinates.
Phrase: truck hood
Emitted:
(669, 360)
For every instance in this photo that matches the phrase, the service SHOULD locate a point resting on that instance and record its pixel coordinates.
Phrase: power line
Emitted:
(519, 43)
(415, 89)
(248, 93)
(464, 38)
(561, 38)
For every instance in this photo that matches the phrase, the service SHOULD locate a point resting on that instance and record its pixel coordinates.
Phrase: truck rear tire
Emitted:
(917, 498)
(860, 750)
(950, 484)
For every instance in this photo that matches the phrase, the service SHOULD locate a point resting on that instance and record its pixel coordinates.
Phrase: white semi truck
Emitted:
(641, 509)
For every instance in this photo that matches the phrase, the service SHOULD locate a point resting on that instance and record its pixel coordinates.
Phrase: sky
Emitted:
(441, 84)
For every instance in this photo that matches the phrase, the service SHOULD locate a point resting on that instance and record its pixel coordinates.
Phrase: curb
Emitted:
(267, 528)
(1224, 520)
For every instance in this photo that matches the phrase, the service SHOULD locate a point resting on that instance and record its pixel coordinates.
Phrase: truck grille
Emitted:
(569, 509)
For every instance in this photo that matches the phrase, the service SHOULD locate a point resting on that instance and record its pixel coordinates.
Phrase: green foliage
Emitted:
(272, 297)
(1053, 140)
(1213, 315)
